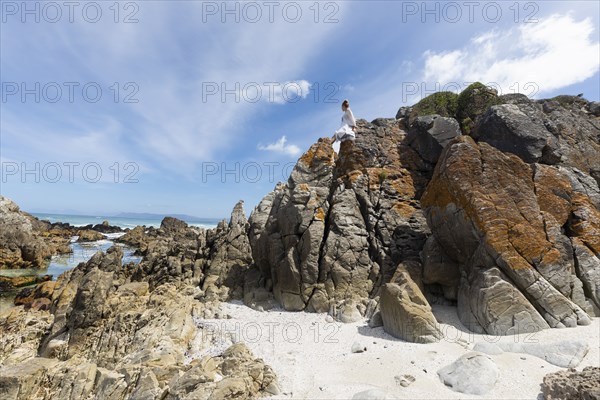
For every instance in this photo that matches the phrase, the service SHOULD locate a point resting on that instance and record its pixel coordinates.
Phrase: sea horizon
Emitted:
(122, 222)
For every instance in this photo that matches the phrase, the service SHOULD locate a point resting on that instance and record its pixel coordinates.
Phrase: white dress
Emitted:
(345, 131)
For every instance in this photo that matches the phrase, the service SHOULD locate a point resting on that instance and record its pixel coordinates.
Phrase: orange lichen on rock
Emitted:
(554, 192)
(319, 153)
(497, 194)
(320, 214)
(585, 222)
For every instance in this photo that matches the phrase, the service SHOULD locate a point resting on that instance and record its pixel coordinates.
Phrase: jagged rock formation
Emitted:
(514, 244)
(337, 231)
(113, 331)
(22, 244)
(216, 260)
(417, 210)
(27, 242)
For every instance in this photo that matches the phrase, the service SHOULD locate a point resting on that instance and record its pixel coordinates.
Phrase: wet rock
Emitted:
(88, 235)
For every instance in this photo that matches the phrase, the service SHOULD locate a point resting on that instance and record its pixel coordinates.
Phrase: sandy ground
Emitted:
(313, 358)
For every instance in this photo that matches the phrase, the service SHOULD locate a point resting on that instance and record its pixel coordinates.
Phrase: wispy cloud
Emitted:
(169, 56)
(554, 53)
(282, 147)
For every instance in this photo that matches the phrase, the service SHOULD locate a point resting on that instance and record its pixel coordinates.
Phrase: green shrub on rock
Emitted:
(472, 103)
(441, 103)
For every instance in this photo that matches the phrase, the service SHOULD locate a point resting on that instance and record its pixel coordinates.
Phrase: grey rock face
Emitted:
(439, 268)
(473, 373)
(545, 132)
(428, 135)
(328, 239)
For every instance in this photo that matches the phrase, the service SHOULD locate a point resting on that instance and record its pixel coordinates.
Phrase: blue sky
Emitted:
(170, 140)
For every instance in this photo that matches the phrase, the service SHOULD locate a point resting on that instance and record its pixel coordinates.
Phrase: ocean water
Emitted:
(82, 252)
(82, 220)
(64, 262)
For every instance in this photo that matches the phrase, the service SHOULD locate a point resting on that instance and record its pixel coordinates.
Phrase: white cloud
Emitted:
(281, 147)
(287, 92)
(554, 53)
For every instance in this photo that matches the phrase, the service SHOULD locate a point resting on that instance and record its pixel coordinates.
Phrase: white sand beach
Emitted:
(313, 360)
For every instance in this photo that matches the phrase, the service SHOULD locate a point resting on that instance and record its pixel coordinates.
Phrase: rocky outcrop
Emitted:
(36, 297)
(546, 131)
(130, 331)
(572, 384)
(13, 282)
(27, 242)
(88, 235)
(444, 104)
(472, 103)
(336, 232)
(507, 240)
(216, 259)
(20, 243)
(502, 221)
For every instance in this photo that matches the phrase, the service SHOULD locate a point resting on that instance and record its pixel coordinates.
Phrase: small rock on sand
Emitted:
(358, 348)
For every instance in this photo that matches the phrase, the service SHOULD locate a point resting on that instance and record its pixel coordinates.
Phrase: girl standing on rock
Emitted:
(346, 131)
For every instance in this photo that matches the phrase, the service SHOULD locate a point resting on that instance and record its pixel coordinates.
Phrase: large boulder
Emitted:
(173, 225)
(545, 131)
(428, 135)
(473, 373)
(501, 220)
(406, 313)
(88, 235)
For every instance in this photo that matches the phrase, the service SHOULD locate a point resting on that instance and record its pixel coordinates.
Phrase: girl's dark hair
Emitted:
(346, 103)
